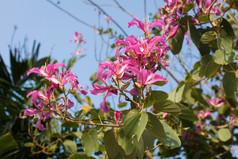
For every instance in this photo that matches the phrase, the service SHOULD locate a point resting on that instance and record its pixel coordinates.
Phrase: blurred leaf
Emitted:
(159, 83)
(229, 83)
(148, 139)
(224, 134)
(211, 69)
(70, 147)
(155, 127)
(126, 143)
(187, 113)
(223, 58)
(111, 144)
(122, 104)
(210, 38)
(88, 100)
(7, 144)
(176, 42)
(158, 96)
(90, 142)
(28, 144)
(135, 123)
(171, 140)
(167, 107)
(196, 36)
(79, 155)
(188, 7)
(225, 44)
(203, 19)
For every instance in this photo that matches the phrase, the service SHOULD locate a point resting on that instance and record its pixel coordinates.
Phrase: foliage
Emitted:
(196, 119)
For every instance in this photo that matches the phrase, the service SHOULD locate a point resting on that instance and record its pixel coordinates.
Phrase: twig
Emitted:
(96, 5)
(170, 74)
(71, 15)
(209, 10)
(123, 9)
(144, 8)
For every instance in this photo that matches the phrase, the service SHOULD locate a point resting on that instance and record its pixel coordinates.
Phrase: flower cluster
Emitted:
(78, 39)
(174, 10)
(44, 100)
(138, 65)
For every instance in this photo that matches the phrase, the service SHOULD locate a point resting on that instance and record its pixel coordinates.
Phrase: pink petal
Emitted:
(173, 32)
(104, 107)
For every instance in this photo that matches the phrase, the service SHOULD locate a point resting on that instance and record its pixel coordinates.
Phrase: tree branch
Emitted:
(96, 5)
(123, 9)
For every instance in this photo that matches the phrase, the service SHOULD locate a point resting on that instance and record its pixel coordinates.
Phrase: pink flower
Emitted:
(173, 32)
(139, 24)
(217, 102)
(146, 77)
(108, 18)
(203, 114)
(117, 116)
(78, 52)
(78, 38)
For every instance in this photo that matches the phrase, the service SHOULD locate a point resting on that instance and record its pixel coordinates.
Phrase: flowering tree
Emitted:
(196, 119)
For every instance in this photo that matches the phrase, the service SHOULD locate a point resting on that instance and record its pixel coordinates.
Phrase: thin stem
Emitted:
(96, 5)
(123, 9)
(71, 15)
(170, 74)
(209, 10)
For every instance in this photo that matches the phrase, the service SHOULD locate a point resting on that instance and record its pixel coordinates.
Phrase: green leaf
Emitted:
(167, 107)
(223, 58)
(80, 114)
(224, 44)
(111, 144)
(195, 35)
(230, 83)
(131, 122)
(70, 147)
(7, 143)
(79, 155)
(171, 140)
(126, 143)
(188, 7)
(210, 38)
(176, 42)
(28, 144)
(203, 19)
(158, 96)
(211, 69)
(122, 104)
(90, 142)
(159, 83)
(224, 134)
(178, 93)
(187, 113)
(142, 124)
(155, 127)
(148, 139)
(135, 123)
(78, 134)
(88, 100)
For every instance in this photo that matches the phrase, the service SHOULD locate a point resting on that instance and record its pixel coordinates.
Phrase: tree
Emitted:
(197, 119)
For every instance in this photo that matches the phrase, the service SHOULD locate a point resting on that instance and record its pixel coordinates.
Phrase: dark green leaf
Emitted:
(155, 127)
(148, 139)
(196, 36)
(176, 42)
(211, 69)
(188, 7)
(158, 96)
(159, 83)
(225, 44)
(111, 144)
(167, 107)
(229, 83)
(122, 104)
(7, 143)
(187, 113)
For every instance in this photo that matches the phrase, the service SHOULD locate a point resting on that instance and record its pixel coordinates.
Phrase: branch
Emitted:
(96, 5)
(170, 74)
(71, 15)
(123, 9)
